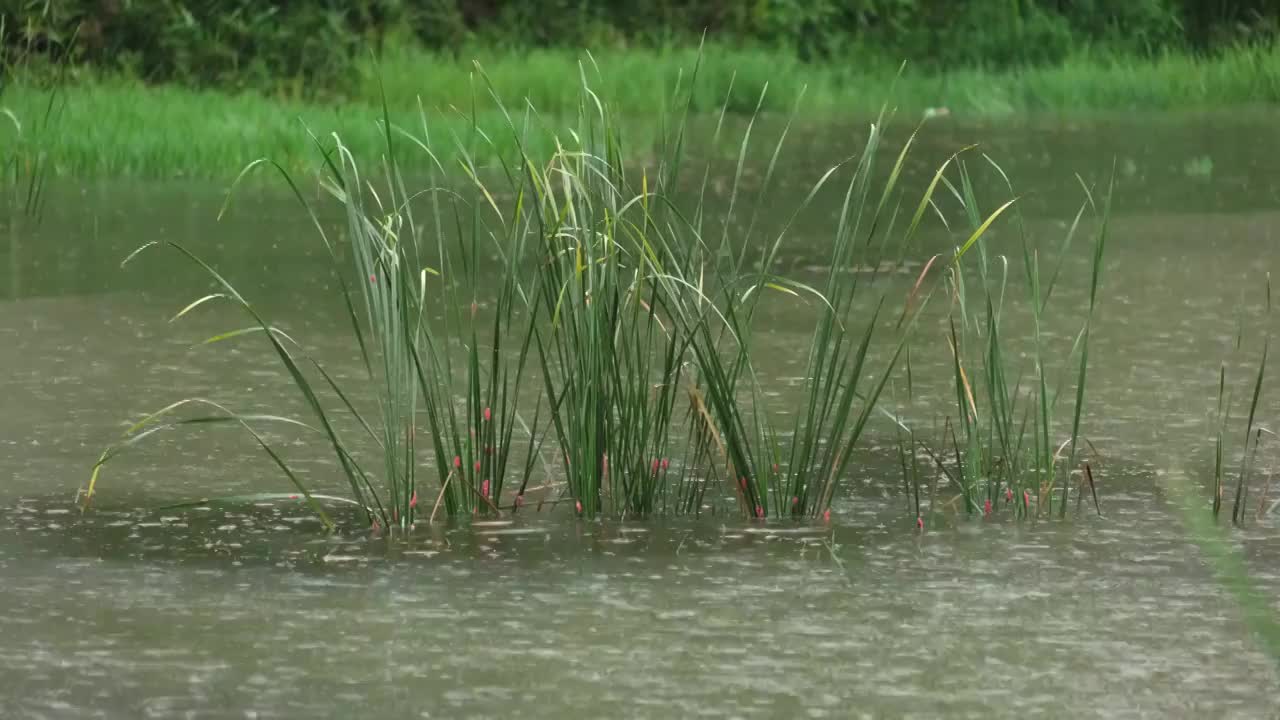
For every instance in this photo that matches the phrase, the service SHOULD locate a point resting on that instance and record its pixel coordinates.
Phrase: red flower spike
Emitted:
(484, 489)
(759, 511)
(457, 462)
(654, 468)
(477, 466)
(826, 516)
(986, 507)
(1008, 494)
(487, 414)
(1026, 499)
(920, 523)
(578, 505)
(665, 463)
(413, 501)
(795, 501)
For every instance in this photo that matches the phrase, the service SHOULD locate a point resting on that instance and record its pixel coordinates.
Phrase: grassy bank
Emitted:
(117, 127)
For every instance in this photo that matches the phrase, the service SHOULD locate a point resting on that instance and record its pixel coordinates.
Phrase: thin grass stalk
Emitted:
(1220, 426)
(361, 489)
(1094, 281)
(1237, 508)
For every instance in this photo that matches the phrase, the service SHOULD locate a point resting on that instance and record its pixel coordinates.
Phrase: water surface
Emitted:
(129, 611)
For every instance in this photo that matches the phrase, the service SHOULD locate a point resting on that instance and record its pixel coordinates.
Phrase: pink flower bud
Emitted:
(487, 414)
(477, 466)
(795, 501)
(826, 516)
(484, 489)
(986, 507)
(578, 505)
(665, 463)
(759, 511)
(920, 523)
(655, 466)
(413, 501)
(457, 462)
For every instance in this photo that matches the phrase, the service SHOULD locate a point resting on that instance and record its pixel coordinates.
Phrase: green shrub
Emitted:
(309, 48)
(228, 43)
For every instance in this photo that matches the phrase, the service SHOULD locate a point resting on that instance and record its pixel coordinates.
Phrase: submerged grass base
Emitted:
(118, 127)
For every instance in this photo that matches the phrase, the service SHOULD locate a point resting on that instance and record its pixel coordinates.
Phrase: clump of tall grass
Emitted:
(409, 355)
(24, 167)
(611, 366)
(708, 288)
(1253, 432)
(999, 445)
(28, 135)
(766, 477)
(616, 294)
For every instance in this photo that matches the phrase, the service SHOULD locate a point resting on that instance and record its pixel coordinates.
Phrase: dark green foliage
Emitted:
(229, 43)
(309, 47)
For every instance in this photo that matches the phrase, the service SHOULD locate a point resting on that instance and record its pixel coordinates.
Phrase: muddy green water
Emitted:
(252, 612)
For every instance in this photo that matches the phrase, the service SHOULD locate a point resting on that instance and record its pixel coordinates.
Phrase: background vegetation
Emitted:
(311, 48)
(218, 83)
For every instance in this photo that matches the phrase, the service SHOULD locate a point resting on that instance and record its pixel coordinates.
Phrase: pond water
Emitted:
(253, 612)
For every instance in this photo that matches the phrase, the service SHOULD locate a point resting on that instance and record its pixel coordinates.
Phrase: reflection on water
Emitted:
(251, 612)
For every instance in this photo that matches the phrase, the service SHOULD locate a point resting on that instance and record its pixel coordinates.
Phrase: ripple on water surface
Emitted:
(254, 613)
